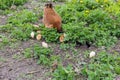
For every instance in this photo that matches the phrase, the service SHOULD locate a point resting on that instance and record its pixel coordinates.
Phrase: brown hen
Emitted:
(50, 18)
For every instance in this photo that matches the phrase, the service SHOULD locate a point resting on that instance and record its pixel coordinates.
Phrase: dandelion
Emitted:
(97, 0)
(81, 1)
(87, 11)
(105, 1)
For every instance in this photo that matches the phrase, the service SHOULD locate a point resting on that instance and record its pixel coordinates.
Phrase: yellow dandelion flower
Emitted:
(81, 1)
(87, 11)
(105, 1)
(97, 0)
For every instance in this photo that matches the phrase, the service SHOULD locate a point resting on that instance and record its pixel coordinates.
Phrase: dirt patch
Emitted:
(13, 65)
(3, 19)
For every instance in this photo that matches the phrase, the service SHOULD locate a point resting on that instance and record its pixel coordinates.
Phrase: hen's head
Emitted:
(49, 5)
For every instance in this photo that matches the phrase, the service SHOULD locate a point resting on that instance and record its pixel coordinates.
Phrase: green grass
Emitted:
(64, 73)
(94, 22)
(4, 41)
(24, 16)
(17, 56)
(2, 59)
(6, 4)
(20, 24)
(102, 67)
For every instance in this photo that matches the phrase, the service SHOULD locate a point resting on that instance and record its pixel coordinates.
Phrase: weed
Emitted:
(22, 17)
(2, 59)
(43, 54)
(13, 44)
(64, 73)
(66, 46)
(17, 56)
(25, 76)
(23, 33)
(5, 4)
(6, 28)
(27, 53)
(102, 67)
(92, 24)
(19, 26)
(50, 35)
(4, 41)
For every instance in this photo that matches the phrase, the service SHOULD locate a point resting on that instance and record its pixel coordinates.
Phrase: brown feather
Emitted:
(51, 19)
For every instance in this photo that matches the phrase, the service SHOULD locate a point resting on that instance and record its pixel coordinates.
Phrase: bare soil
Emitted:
(13, 65)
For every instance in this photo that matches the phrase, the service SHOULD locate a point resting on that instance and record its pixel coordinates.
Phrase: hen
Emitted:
(50, 18)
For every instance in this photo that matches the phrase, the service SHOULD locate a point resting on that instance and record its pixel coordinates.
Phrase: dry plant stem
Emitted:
(32, 72)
